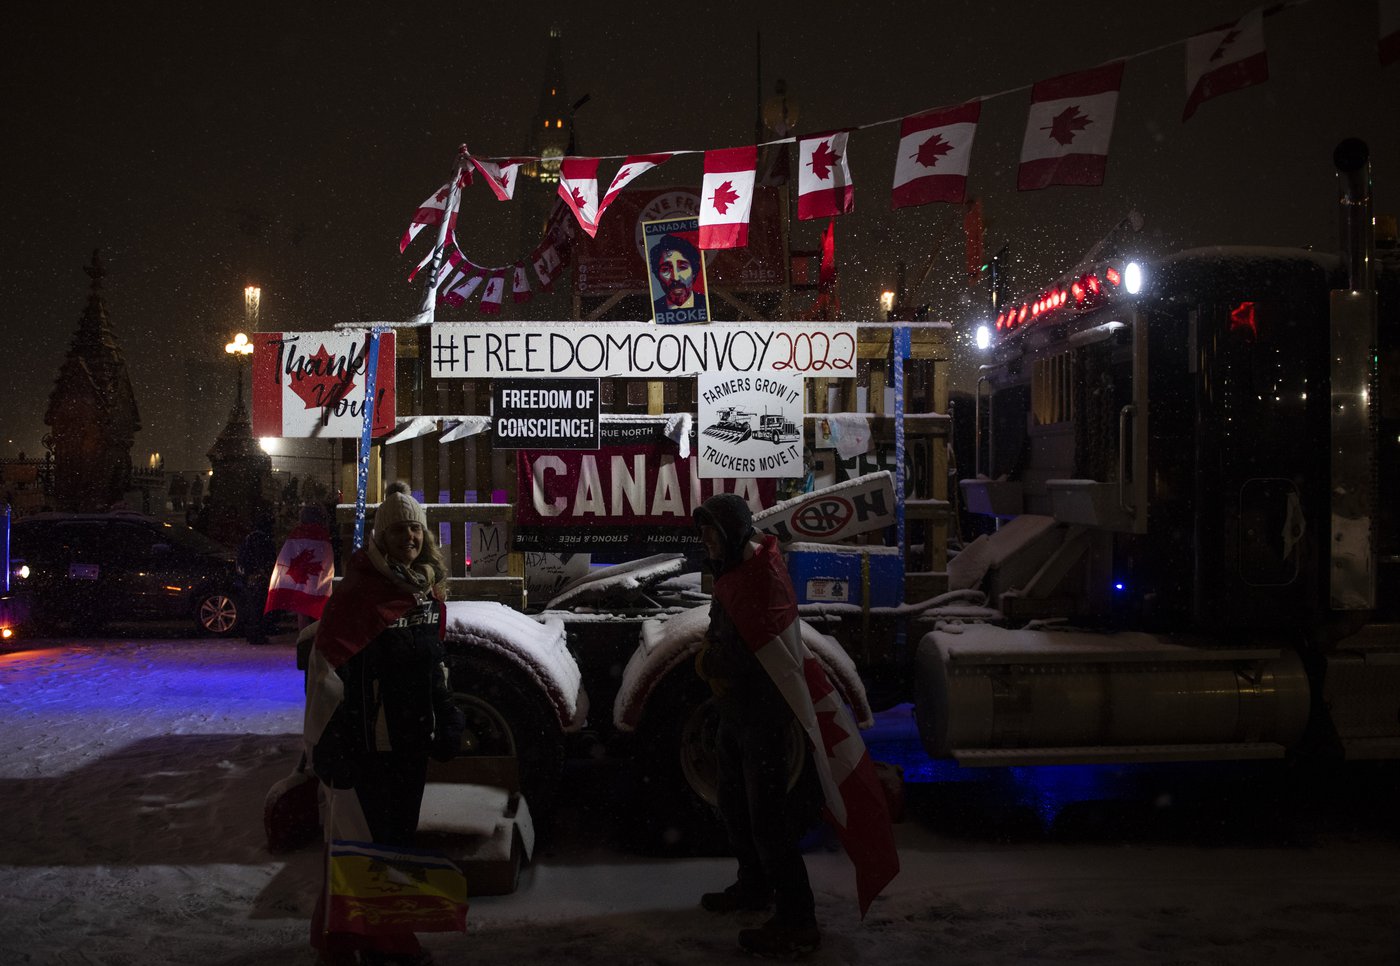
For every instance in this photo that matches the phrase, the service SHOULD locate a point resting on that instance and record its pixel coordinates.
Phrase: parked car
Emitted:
(85, 570)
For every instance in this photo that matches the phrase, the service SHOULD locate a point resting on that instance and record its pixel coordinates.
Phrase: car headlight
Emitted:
(22, 571)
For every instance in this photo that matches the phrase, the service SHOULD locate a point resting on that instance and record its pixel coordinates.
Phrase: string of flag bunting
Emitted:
(1066, 142)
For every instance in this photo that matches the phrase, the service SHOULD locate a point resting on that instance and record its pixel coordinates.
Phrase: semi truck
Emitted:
(1187, 470)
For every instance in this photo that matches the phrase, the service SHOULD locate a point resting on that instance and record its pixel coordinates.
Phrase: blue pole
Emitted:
(366, 431)
(899, 344)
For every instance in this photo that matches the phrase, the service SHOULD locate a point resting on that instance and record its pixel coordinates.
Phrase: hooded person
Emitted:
(766, 683)
(377, 701)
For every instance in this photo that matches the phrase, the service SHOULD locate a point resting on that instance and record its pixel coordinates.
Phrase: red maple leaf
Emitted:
(304, 566)
(1066, 123)
(621, 173)
(505, 180)
(725, 195)
(822, 160)
(441, 195)
(316, 382)
(1225, 41)
(578, 197)
(832, 732)
(932, 150)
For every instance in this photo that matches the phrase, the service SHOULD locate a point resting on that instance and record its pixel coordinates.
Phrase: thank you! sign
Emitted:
(308, 384)
(553, 413)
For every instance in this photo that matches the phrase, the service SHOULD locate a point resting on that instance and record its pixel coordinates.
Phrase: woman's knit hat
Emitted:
(399, 506)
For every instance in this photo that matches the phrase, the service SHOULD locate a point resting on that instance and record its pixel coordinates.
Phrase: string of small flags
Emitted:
(1068, 130)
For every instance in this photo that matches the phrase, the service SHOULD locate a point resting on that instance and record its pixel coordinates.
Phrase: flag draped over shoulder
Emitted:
(376, 890)
(935, 150)
(1228, 58)
(726, 197)
(824, 185)
(759, 597)
(301, 579)
(1069, 128)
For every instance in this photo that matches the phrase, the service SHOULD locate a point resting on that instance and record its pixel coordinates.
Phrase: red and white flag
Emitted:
(460, 288)
(301, 579)
(494, 293)
(1389, 48)
(546, 262)
(633, 166)
(313, 383)
(578, 186)
(1069, 128)
(726, 197)
(824, 186)
(500, 175)
(520, 284)
(1228, 58)
(758, 595)
(430, 212)
(935, 150)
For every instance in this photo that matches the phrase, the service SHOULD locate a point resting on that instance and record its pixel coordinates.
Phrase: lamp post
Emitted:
(240, 348)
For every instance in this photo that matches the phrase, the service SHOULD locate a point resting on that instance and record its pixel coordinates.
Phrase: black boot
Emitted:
(736, 899)
(780, 940)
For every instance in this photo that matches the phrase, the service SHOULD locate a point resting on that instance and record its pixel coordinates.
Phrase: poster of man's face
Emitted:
(677, 271)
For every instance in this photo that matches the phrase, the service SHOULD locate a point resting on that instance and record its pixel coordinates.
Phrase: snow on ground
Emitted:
(131, 790)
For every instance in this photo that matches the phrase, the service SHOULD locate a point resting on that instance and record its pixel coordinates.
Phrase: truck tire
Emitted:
(677, 768)
(509, 716)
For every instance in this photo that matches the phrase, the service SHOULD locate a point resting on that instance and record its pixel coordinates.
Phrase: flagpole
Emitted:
(427, 308)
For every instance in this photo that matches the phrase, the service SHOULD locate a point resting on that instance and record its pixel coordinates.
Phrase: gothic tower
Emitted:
(92, 412)
(550, 137)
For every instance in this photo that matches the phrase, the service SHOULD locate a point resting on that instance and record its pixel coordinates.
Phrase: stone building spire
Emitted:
(92, 412)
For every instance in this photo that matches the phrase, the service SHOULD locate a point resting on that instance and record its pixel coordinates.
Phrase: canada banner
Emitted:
(824, 187)
(578, 187)
(500, 175)
(312, 384)
(935, 149)
(1069, 128)
(301, 579)
(726, 197)
(1229, 58)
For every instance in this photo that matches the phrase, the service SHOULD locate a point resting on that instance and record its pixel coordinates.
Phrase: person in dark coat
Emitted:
(257, 555)
(378, 703)
(763, 817)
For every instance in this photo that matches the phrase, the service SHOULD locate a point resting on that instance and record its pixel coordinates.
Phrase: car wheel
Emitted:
(508, 716)
(216, 613)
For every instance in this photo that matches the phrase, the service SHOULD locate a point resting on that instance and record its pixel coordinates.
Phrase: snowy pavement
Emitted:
(131, 790)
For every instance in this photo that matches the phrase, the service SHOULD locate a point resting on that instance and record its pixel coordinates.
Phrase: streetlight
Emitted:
(240, 348)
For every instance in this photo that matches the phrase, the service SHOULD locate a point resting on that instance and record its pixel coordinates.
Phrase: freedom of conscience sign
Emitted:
(550, 413)
(640, 350)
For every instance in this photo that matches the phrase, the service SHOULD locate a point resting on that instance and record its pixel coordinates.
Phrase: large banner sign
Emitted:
(640, 350)
(633, 494)
(310, 384)
(750, 426)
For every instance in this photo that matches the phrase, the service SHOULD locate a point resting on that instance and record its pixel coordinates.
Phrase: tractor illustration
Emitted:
(734, 426)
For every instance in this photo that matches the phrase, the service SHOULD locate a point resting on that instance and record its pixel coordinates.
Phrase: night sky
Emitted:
(205, 146)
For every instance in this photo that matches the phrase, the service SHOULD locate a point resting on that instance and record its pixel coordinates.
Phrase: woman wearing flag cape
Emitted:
(764, 678)
(377, 706)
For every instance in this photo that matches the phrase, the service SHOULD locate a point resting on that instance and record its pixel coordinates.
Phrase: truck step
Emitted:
(1095, 754)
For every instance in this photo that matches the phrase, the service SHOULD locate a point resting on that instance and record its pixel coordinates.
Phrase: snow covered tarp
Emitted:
(539, 647)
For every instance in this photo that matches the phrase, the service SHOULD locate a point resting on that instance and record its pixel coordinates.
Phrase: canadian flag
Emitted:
(313, 383)
(430, 212)
(494, 293)
(1069, 128)
(578, 186)
(460, 288)
(1225, 59)
(520, 284)
(935, 149)
(500, 175)
(301, 579)
(633, 166)
(546, 262)
(758, 596)
(824, 184)
(726, 197)
(1389, 48)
